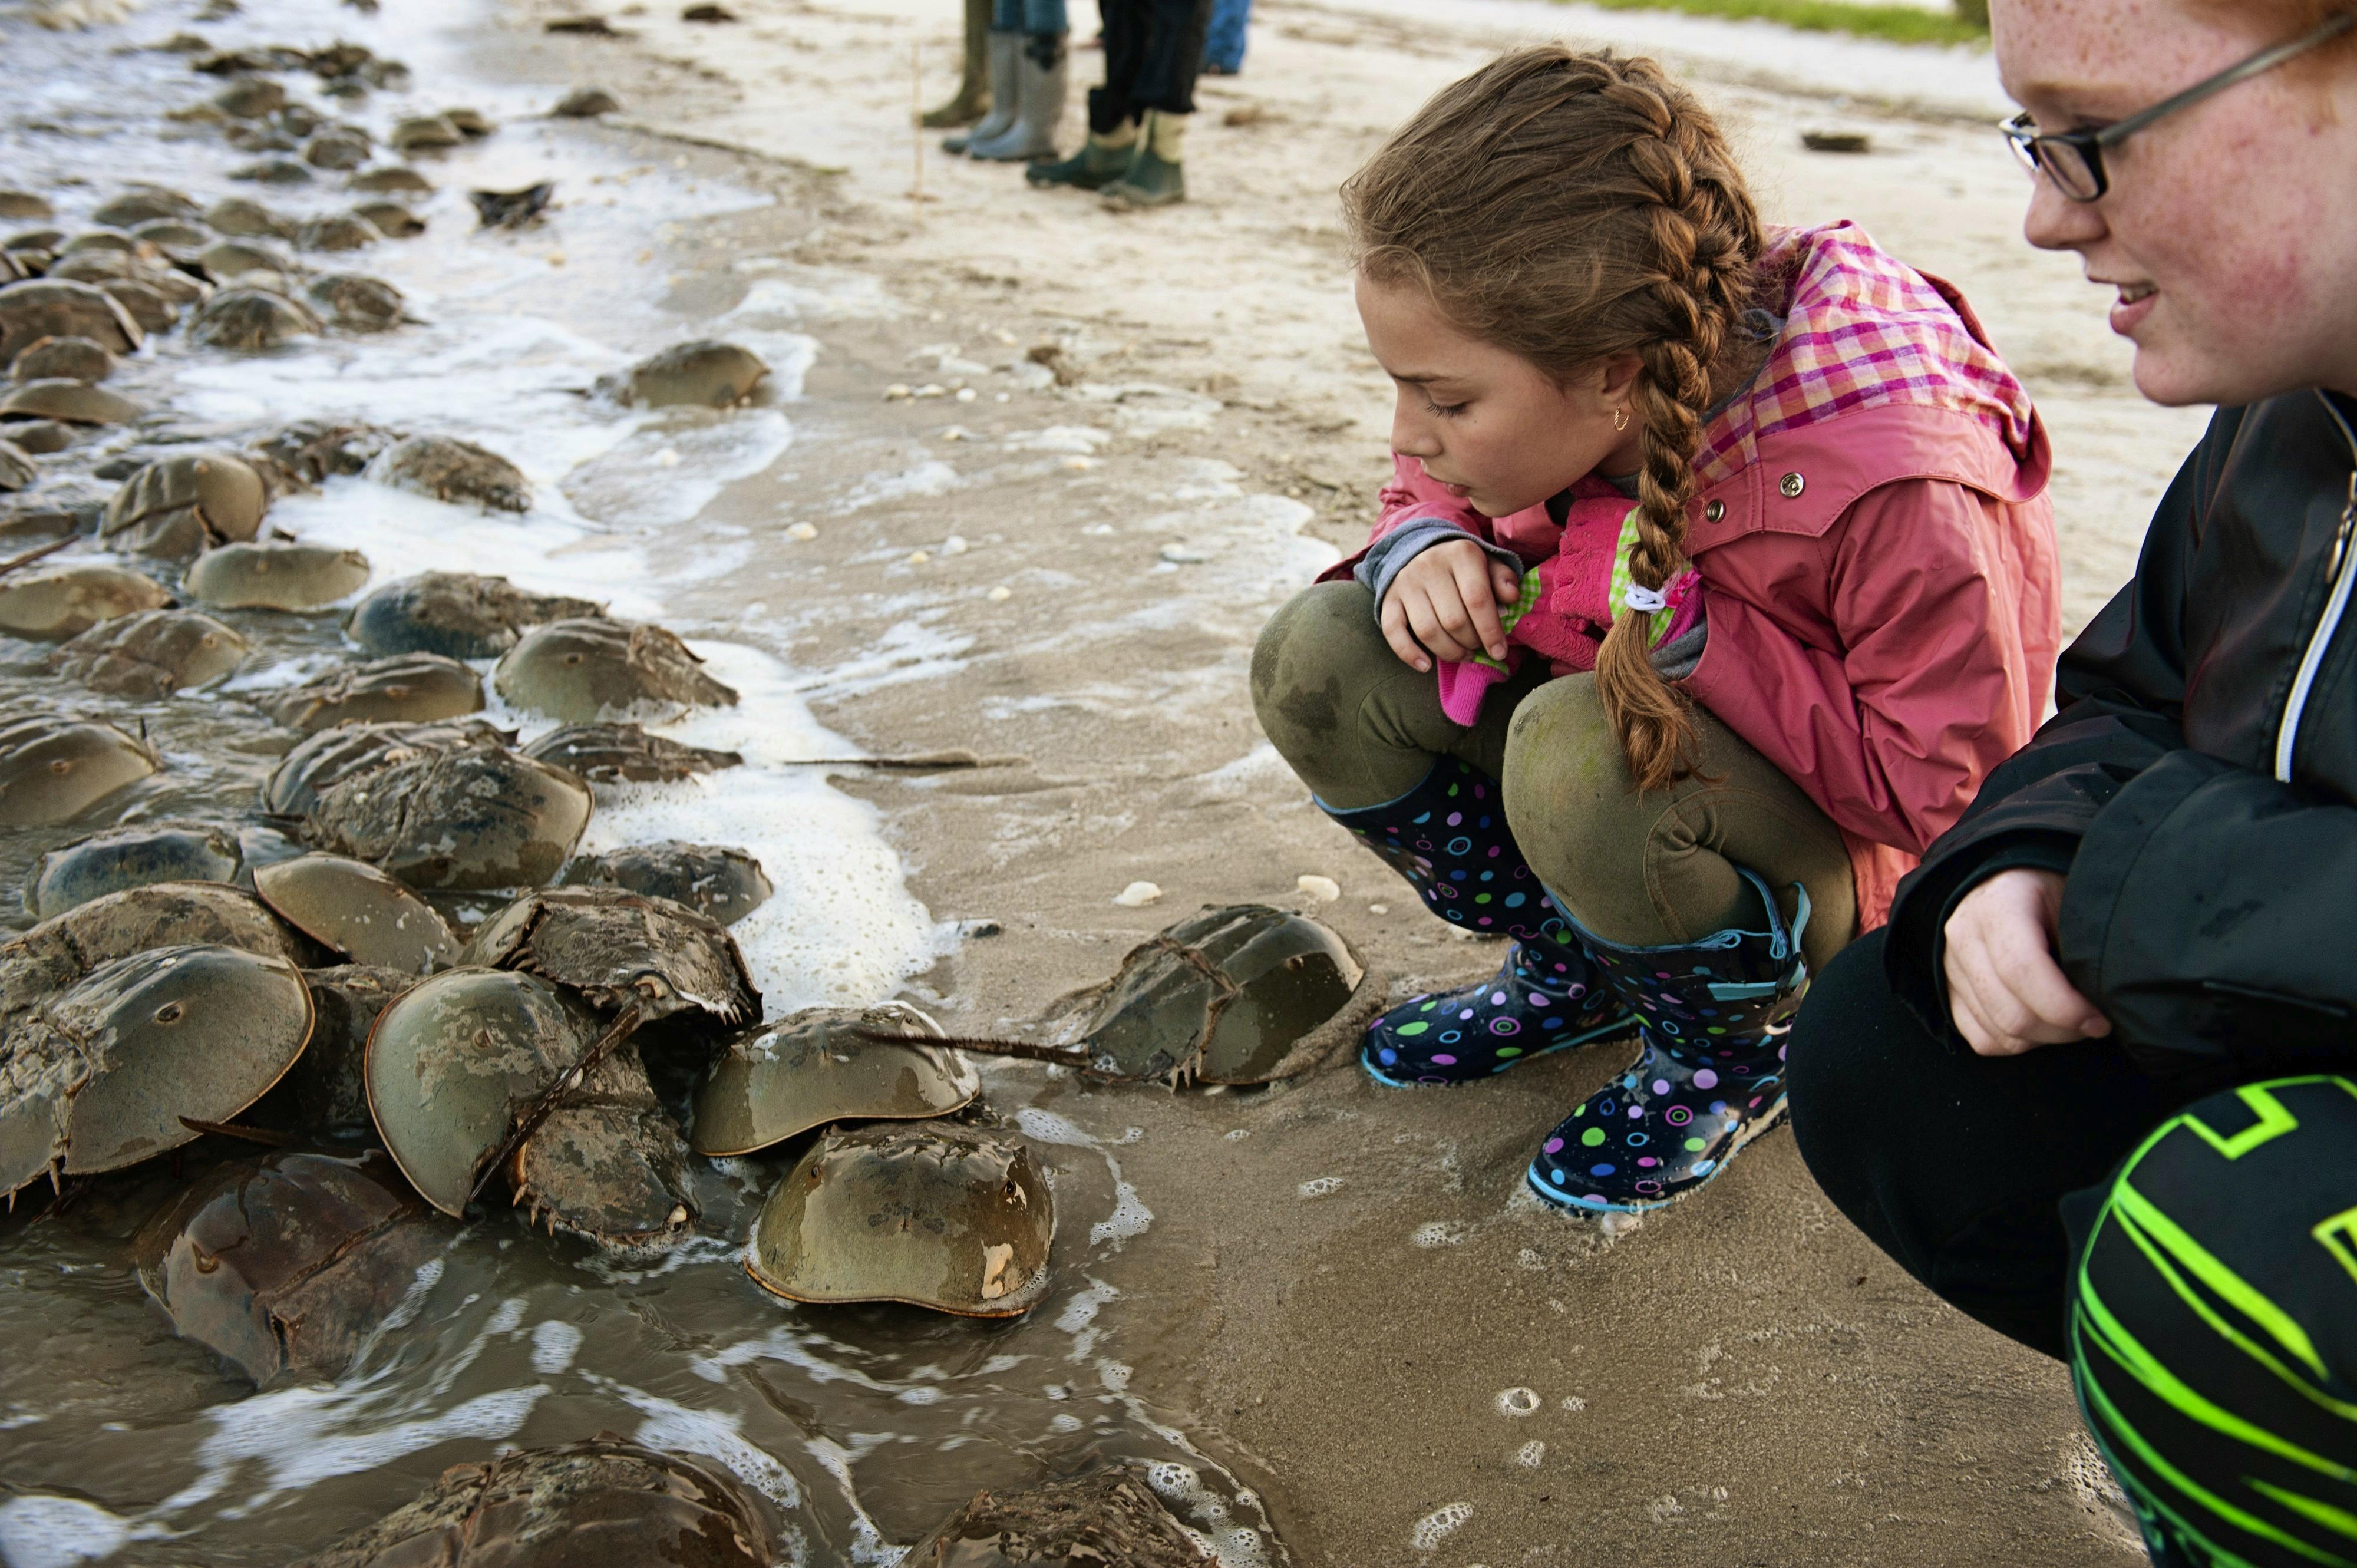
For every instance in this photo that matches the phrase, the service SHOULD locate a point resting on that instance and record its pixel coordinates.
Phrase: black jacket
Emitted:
(2199, 787)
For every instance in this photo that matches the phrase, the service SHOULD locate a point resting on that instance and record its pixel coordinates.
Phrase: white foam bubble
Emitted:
(38, 1531)
(1129, 1218)
(1515, 1402)
(715, 1435)
(1531, 1454)
(1440, 1233)
(1320, 1187)
(555, 1343)
(1440, 1525)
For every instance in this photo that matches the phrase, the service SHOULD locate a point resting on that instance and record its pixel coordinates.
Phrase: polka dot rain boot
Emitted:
(1712, 1016)
(1448, 837)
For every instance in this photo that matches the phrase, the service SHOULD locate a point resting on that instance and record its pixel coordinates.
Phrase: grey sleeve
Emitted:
(1387, 555)
(1678, 658)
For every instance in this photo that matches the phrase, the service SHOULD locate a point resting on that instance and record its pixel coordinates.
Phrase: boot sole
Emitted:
(1621, 1026)
(1743, 1139)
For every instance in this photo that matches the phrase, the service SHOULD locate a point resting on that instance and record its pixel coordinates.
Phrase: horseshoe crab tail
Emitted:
(1067, 1056)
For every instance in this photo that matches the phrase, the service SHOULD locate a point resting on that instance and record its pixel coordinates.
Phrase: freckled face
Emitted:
(2230, 231)
(1485, 422)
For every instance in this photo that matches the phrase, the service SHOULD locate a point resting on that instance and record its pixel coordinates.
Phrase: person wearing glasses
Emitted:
(2096, 1083)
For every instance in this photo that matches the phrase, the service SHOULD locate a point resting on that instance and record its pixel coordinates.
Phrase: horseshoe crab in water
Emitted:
(227, 261)
(442, 468)
(705, 373)
(271, 171)
(1244, 994)
(26, 206)
(948, 1217)
(357, 303)
(143, 204)
(436, 806)
(1112, 1517)
(53, 605)
(147, 304)
(180, 505)
(70, 402)
(53, 769)
(604, 1500)
(337, 148)
(392, 179)
(474, 1072)
(272, 574)
(590, 668)
(40, 437)
(249, 320)
(427, 131)
(356, 910)
(176, 237)
(241, 217)
(132, 856)
(53, 307)
(777, 1081)
(337, 231)
(587, 103)
(64, 360)
(99, 1075)
(151, 654)
(454, 614)
(622, 951)
(615, 754)
(394, 220)
(724, 883)
(316, 448)
(17, 470)
(511, 208)
(283, 1267)
(251, 98)
(409, 688)
(58, 952)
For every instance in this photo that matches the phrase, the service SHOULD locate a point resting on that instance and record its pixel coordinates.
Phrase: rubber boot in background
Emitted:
(1157, 177)
(1713, 1015)
(1449, 838)
(1103, 158)
(971, 102)
(1005, 54)
(1040, 74)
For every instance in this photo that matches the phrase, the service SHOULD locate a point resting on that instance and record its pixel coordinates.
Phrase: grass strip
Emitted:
(1896, 24)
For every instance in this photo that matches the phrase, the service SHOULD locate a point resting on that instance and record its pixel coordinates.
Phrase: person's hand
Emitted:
(1443, 604)
(2004, 990)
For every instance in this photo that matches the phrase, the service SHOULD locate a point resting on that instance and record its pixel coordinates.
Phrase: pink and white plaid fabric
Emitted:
(1862, 329)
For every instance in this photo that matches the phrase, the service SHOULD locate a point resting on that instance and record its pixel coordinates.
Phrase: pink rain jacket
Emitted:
(1876, 547)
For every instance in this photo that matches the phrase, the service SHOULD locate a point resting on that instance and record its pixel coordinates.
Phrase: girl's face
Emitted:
(1486, 423)
(2230, 230)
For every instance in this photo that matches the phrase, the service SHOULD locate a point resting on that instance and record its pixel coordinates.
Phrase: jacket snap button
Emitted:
(1792, 485)
(1714, 511)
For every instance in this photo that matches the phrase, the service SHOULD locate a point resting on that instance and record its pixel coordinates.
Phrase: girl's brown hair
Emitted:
(1570, 207)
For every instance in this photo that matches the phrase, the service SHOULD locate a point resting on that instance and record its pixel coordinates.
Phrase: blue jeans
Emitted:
(1223, 45)
(1033, 17)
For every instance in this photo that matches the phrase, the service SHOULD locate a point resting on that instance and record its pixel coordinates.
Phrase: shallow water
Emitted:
(121, 1443)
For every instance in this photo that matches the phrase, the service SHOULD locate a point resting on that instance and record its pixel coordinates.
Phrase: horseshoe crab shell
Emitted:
(604, 1500)
(455, 614)
(356, 302)
(621, 950)
(444, 469)
(1112, 1517)
(176, 237)
(316, 448)
(125, 857)
(285, 1266)
(946, 1217)
(337, 231)
(58, 952)
(64, 360)
(326, 1090)
(17, 470)
(705, 373)
(357, 910)
(776, 1082)
(53, 307)
(53, 769)
(615, 754)
(424, 131)
(394, 220)
(226, 261)
(249, 320)
(148, 301)
(390, 179)
(143, 204)
(241, 217)
(69, 601)
(151, 654)
(98, 1078)
(339, 148)
(726, 885)
(69, 402)
(306, 773)
(272, 574)
(410, 688)
(590, 668)
(179, 505)
(24, 205)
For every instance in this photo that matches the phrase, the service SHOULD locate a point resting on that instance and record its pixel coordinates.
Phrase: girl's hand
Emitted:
(1443, 604)
(2004, 990)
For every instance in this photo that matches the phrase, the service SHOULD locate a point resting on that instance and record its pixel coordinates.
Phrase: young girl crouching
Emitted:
(1715, 572)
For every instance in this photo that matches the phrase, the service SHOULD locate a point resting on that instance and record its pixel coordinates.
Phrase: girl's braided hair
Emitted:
(1570, 207)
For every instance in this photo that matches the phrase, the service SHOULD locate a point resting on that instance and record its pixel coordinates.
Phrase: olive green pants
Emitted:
(1640, 869)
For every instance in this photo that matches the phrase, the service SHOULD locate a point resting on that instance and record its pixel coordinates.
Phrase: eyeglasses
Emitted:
(2073, 160)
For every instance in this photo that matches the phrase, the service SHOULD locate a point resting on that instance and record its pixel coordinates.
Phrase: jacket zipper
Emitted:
(2342, 568)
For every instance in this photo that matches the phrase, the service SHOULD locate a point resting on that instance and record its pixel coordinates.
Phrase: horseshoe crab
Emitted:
(133, 856)
(442, 468)
(144, 302)
(316, 448)
(622, 951)
(151, 654)
(409, 688)
(272, 574)
(590, 668)
(777, 1081)
(173, 236)
(229, 260)
(1244, 994)
(511, 208)
(327, 1089)
(604, 1500)
(1112, 1517)
(99, 1075)
(53, 605)
(102, 240)
(727, 884)
(40, 437)
(241, 217)
(357, 303)
(436, 806)
(249, 320)
(69, 402)
(393, 179)
(587, 103)
(285, 1266)
(274, 171)
(55, 954)
(477, 1070)
(948, 1217)
(26, 206)
(180, 505)
(53, 307)
(614, 754)
(64, 360)
(17, 470)
(143, 204)
(54, 770)
(705, 373)
(356, 910)
(251, 98)
(339, 148)
(455, 614)
(394, 220)
(337, 231)
(428, 131)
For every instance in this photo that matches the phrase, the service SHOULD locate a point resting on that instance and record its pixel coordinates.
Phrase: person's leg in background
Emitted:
(1224, 41)
(1114, 131)
(971, 102)
(1041, 68)
(1162, 86)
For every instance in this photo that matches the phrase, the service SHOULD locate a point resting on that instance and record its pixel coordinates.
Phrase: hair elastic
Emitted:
(1644, 601)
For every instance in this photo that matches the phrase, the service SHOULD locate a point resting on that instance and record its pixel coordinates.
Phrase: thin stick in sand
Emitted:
(29, 556)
